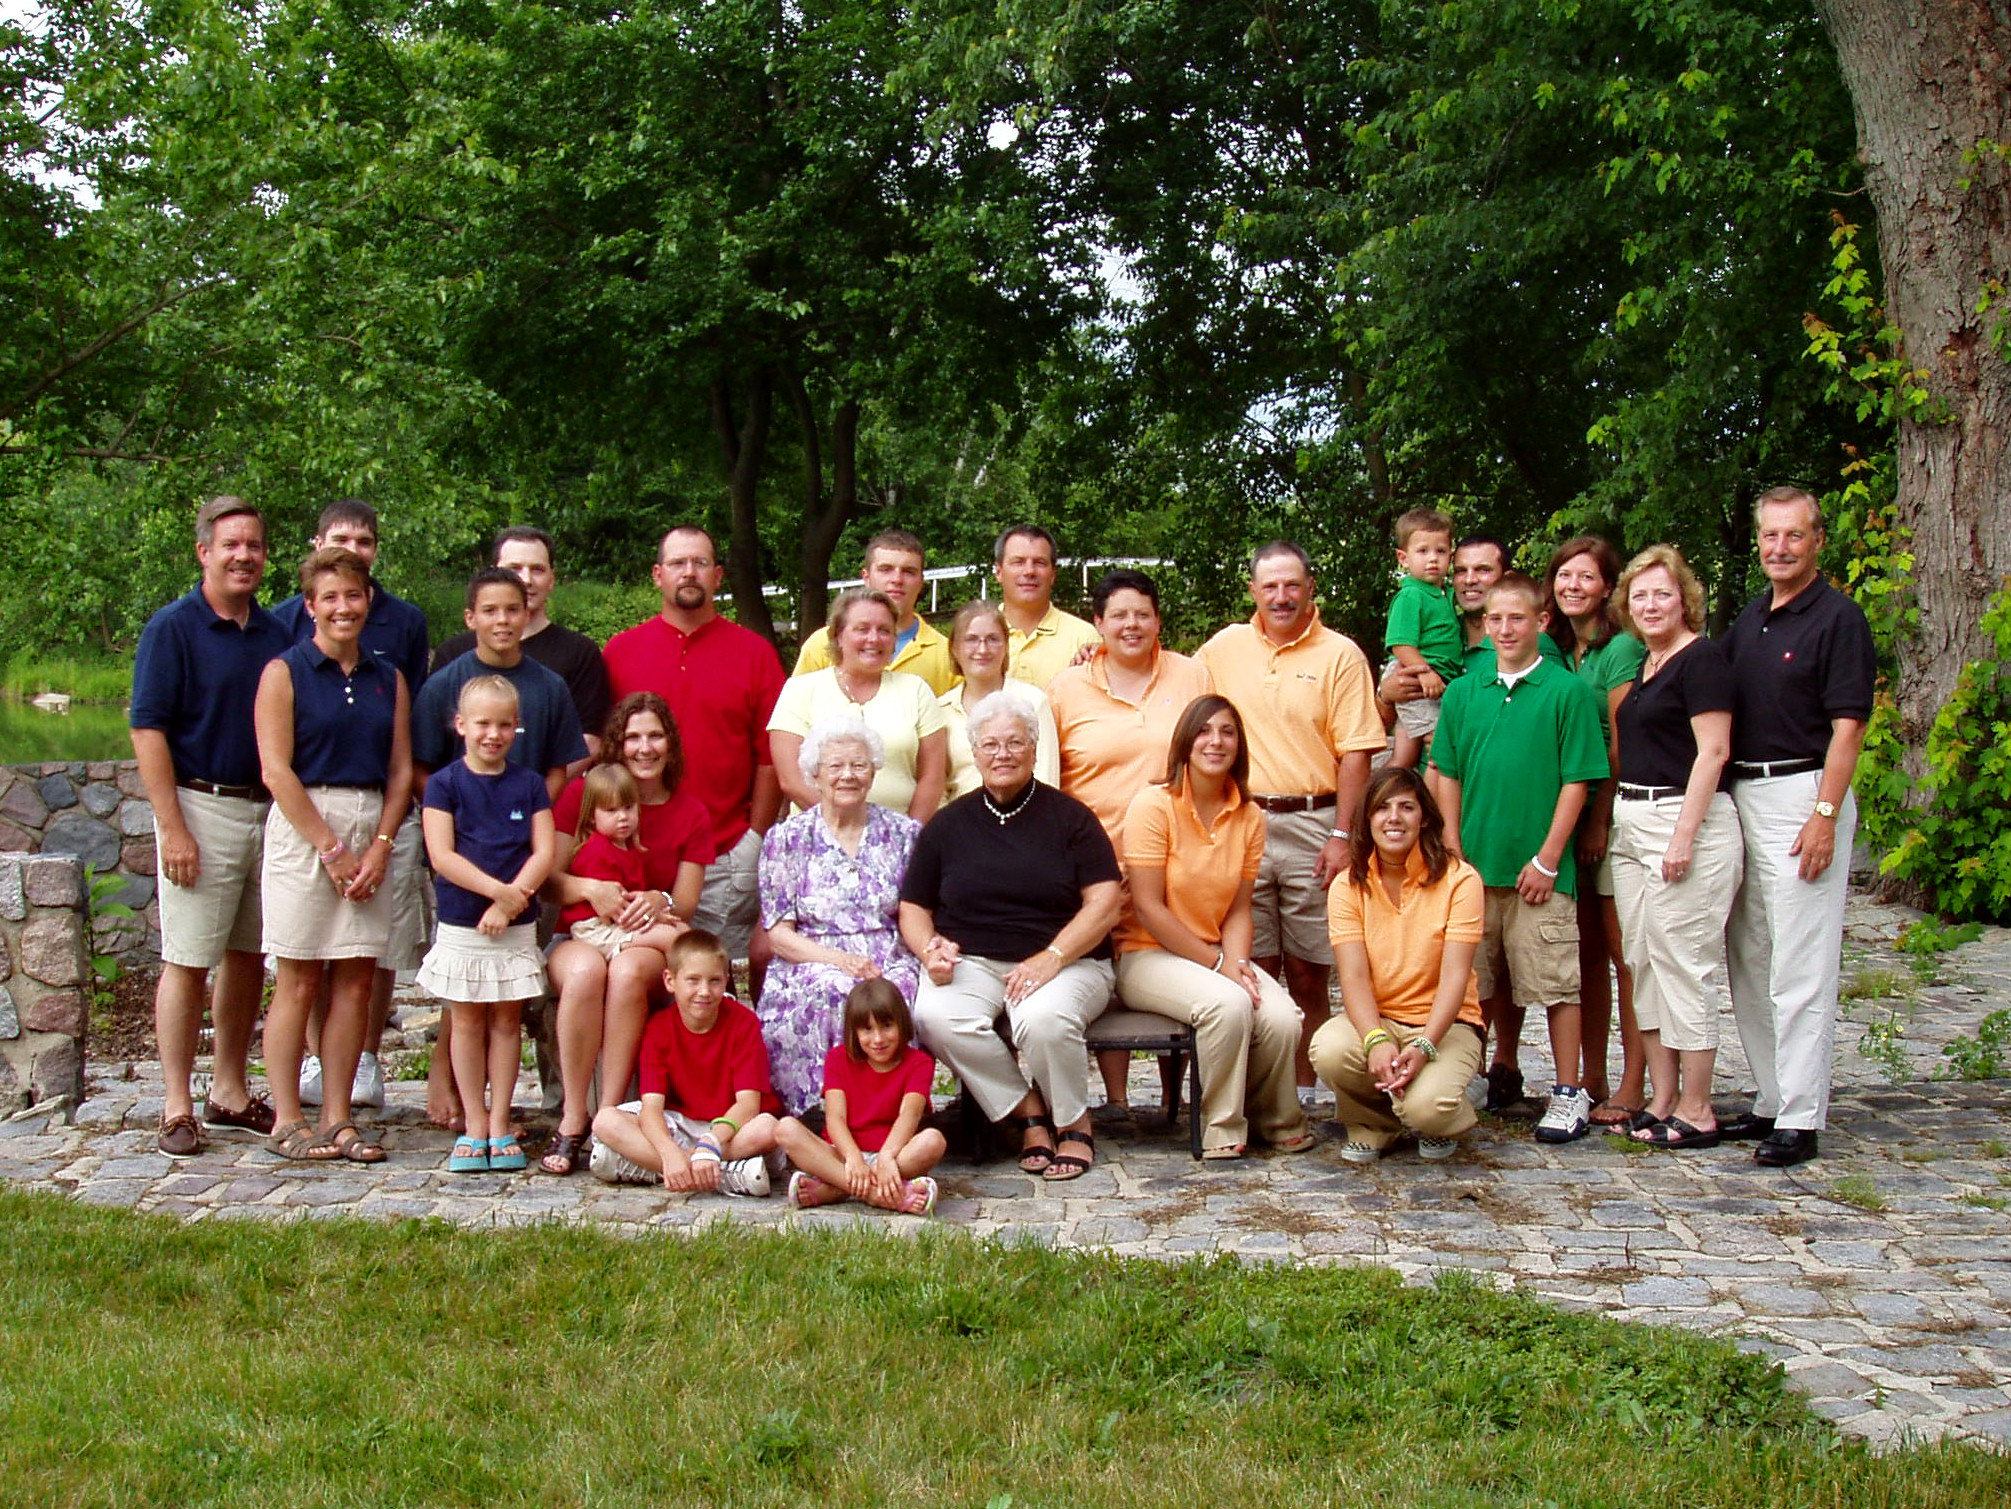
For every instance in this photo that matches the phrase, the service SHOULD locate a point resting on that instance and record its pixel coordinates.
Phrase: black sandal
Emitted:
(566, 1150)
(1064, 1166)
(1026, 1124)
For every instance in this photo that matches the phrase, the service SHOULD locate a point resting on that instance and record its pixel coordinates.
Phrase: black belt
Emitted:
(1629, 793)
(1292, 803)
(212, 788)
(1761, 770)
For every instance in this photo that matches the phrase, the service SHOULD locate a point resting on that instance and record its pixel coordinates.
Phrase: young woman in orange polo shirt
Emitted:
(1405, 921)
(1192, 845)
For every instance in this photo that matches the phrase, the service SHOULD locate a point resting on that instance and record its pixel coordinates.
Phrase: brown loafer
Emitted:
(256, 1117)
(179, 1137)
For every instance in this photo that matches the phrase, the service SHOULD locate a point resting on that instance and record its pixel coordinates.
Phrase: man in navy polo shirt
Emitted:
(1804, 670)
(395, 631)
(194, 680)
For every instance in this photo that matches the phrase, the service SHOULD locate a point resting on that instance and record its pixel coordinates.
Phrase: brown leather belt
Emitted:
(1293, 803)
(211, 788)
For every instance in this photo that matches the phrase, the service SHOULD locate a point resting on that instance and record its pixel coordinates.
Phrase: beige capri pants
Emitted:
(1673, 934)
(955, 1023)
(1434, 1104)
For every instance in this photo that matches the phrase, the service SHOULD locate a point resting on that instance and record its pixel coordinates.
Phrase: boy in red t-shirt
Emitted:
(876, 1092)
(706, 1120)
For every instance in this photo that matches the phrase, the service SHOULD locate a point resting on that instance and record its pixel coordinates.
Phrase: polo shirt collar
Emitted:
(1415, 870)
(1541, 670)
(1183, 800)
(1802, 601)
(1312, 627)
(1050, 623)
(1099, 673)
(366, 663)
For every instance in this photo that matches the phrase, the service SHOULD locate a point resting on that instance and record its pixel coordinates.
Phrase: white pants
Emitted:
(1785, 946)
(1674, 933)
(1246, 1053)
(954, 1022)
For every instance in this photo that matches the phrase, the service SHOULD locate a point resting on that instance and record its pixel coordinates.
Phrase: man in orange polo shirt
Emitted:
(1308, 701)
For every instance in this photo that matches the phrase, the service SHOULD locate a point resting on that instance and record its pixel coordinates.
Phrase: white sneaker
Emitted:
(1360, 1152)
(367, 1089)
(1568, 1116)
(1436, 1149)
(310, 1081)
(744, 1176)
(608, 1166)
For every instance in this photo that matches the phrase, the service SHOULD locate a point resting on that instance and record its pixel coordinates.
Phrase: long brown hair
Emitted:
(1180, 748)
(616, 729)
(1607, 559)
(1398, 780)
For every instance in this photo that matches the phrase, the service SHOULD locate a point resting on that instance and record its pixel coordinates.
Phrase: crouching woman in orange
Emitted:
(1405, 921)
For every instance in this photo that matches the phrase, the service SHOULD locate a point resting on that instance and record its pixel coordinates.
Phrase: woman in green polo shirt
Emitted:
(1584, 622)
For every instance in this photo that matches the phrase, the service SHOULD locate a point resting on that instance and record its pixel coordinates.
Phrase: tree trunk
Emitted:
(825, 512)
(744, 445)
(1930, 81)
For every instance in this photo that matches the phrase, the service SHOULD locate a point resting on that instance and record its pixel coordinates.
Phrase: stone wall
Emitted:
(44, 974)
(97, 811)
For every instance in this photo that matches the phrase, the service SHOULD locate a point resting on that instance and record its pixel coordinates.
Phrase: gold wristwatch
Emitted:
(1825, 809)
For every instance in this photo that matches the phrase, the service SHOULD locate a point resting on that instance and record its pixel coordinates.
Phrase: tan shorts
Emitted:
(305, 916)
(411, 897)
(1536, 946)
(1419, 716)
(221, 910)
(730, 902)
(1289, 906)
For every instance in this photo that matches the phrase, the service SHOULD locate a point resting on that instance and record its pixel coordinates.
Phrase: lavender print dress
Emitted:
(841, 902)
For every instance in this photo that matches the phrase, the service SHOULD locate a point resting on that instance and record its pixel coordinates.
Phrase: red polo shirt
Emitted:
(721, 682)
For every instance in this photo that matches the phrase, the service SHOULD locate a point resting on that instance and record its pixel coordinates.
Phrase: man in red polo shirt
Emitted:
(721, 682)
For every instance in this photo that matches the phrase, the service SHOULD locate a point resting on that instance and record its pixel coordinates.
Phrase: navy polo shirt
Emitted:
(342, 721)
(492, 831)
(1796, 668)
(195, 679)
(393, 629)
(548, 728)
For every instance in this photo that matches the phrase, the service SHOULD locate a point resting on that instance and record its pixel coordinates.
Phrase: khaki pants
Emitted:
(1674, 934)
(1245, 1052)
(1432, 1105)
(955, 1023)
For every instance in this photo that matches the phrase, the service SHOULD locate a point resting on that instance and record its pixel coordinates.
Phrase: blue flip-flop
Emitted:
(505, 1155)
(470, 1156)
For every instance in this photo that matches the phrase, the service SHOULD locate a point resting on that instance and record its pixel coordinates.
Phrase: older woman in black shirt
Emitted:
(1677, 852)
(1008, 902)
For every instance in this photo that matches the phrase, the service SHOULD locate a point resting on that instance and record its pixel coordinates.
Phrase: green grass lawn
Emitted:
(233, 1363)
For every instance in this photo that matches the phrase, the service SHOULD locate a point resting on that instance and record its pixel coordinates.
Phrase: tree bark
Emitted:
(743, 443)
(1930, 81)
(826, 512)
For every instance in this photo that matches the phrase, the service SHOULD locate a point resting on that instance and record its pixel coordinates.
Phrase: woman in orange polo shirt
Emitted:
(1405, 922)
(1192, 845)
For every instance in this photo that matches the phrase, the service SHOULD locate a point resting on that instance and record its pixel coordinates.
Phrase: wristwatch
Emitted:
(1825, 809)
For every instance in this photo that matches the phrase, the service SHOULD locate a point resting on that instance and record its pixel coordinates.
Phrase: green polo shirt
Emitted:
(1422, 616)
(1512, 751)
(1480, 657)
(1614, 663)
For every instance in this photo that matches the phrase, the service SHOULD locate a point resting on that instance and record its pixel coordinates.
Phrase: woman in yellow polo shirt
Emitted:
(1192, 845)
(1405, 921)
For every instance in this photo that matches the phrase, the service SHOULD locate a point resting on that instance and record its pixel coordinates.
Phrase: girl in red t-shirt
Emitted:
(876, 1092)
(610, 819)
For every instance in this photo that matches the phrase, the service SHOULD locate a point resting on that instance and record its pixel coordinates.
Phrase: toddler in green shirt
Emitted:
(1423, 632)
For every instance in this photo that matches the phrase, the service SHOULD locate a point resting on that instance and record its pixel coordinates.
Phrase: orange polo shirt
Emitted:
(1112, 749)
(1405, 941)
(1204, 866)
(1304, 704)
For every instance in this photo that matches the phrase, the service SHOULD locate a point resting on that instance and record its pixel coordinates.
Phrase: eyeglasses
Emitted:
(991, 749)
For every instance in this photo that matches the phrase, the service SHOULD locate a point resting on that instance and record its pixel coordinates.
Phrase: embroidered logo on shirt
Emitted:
(516, 814)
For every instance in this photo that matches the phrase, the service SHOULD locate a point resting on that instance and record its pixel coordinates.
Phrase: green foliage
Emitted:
(101, 893)
(87, 678)
(1858, 1190)
(1883, 1044)
(1985, 1055)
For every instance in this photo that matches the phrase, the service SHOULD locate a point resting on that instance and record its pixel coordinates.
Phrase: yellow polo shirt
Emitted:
(1304, 704)
(1046, 652)
(926, 655)
(1110, 748)
(1204, 866)
(1405, 942)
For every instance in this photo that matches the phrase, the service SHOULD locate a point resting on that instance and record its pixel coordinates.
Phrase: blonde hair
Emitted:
(1670, 559)
(602, 789)
(498, 687)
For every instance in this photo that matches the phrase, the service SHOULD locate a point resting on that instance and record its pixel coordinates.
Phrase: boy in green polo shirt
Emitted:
(1423, 632)
(1516, 751)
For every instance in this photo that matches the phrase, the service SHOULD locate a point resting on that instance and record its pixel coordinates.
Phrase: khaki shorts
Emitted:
(411, 896)
(1290, 907)
(1536, 946)
(730, 901)
(221, 910)
(305, 916)
(1419, 716)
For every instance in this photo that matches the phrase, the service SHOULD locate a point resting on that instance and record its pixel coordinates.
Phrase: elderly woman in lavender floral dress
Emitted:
(830, 893)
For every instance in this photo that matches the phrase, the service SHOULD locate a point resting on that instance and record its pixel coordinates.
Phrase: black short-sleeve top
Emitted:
(1003, 890)
(1657, 744)
(1798, 667)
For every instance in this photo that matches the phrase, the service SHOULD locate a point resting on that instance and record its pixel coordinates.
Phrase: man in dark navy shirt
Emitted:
(394, 632)
(194, 680)
(1802, 658)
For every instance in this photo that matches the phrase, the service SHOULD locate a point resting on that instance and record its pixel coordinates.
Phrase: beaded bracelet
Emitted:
(1425, 1046)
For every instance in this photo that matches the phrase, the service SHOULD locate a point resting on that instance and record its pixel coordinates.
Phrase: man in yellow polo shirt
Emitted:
(1308, 702)
(894, 565)
(1045, 640)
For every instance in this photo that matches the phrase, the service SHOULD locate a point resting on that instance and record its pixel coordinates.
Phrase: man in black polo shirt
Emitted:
(194, 679)
(1803, 661)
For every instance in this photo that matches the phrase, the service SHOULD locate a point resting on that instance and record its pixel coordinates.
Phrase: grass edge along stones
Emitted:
(349, 1362)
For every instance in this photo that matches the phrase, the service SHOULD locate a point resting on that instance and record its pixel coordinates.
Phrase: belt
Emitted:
(348, 785)
(242, 793)
(1760, 770)
(1629, 793)
(1293, 803)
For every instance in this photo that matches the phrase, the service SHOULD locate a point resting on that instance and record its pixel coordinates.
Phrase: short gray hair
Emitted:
(838, 728)
(1006, 703)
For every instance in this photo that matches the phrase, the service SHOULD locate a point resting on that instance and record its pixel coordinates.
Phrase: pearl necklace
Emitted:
(1004, 815)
